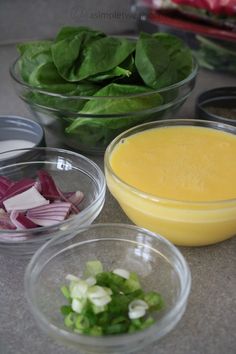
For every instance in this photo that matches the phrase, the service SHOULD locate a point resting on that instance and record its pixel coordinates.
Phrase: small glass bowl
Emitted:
(159, 264)
(95, 131)
(72, 172)
(184, 223)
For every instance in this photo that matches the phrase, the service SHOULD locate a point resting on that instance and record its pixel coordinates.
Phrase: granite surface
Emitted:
(208, 326)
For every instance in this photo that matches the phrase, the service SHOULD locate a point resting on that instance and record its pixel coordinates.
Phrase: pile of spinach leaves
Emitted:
(118, 76)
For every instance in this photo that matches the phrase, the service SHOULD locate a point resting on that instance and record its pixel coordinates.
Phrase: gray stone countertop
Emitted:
(208, 325)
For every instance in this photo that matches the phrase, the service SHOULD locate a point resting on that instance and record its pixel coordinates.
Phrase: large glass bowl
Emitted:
(159, 264)
(184, 223)
(71, 172)
(95, 131)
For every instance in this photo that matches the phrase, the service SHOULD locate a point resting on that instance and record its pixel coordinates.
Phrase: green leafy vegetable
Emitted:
(46, 77)
(32, 56)
(118, 71)
(100, 130)
(119, 76)
(109, 303)
(64, 103)
(216, 54)
(109, 53)
(123, 104)
(68, 49)
(162, 60)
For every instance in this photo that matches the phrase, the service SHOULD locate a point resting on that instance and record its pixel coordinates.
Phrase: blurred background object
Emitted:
(27, 20)
(209, 27)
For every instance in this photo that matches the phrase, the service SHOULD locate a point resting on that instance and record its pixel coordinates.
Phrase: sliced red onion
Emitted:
(74, 208)
(76, 197)
(38, 186)
(21, 221)
(51, 191)
(5, 221)
(50, 214)
(29, 199)
(68, 194)
(48, 187)
(5, 183)
(18, 187)
(27, 203)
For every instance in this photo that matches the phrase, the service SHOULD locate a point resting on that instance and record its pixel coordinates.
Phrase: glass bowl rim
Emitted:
(166, 123)
(178, 84)
(164, 324)
(72, 221)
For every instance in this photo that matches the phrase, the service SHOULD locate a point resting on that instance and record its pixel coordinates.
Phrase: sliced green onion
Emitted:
(154, 300)
(93, 268)
(79, 289)
(116, 328)
(78, 305)
(107, 290)
(122, 273)
(98, 295)
(101, 301)
(66, 310)
(137, 309)
(81, 322)
(96, 292)
(108, 302)
(72, 277)
(132, 283)
(66, 292)
(95, 331)
(69, 320)
(91, 281)
(98, 309)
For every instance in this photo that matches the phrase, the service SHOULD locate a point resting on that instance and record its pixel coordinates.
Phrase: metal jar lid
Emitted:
(16, 127)
(218, 104)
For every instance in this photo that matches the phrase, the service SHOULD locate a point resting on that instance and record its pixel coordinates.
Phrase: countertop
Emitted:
(208, 325)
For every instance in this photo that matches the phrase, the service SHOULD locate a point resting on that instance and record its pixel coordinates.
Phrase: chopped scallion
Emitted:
(108, 302)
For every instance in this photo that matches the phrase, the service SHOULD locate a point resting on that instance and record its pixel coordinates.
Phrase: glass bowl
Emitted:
(184, 223)
(93, 132)
(71, 172)
(17, 128)
(159, 264)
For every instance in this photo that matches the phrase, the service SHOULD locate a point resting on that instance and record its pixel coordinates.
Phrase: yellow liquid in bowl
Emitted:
(187, 170)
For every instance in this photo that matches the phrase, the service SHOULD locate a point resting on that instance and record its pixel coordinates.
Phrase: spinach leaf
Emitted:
(69, 31)
(162, 60)
(33, 54)
(64, 103)
(93, 131)
(46, 76)
(126, 70)
(121, 104)
(180, 55)
(67, 51)
(151, 60)
(118, 71)
(98, 132)
(103, 55)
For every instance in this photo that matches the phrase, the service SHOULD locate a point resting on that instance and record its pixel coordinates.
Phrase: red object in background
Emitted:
(219, 7)
(173, 18)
